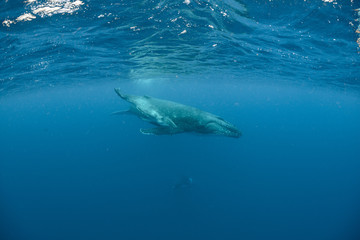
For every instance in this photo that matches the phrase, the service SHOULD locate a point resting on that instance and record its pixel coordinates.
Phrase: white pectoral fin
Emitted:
(171, 123)
(159, 131)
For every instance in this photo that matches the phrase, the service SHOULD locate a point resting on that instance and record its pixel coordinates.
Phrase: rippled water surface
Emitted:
(68, 42)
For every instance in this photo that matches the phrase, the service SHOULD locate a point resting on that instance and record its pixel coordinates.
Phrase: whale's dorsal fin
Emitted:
(220, 118)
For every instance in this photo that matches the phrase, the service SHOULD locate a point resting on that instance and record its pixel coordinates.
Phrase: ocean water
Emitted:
(286, 73)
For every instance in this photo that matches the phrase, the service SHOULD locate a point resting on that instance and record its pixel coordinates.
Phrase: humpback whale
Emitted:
(173, 118)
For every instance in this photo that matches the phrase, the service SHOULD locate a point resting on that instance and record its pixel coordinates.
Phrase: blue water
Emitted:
(286, 73)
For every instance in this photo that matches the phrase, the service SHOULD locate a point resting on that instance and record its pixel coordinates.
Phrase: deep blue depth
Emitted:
(286, 73)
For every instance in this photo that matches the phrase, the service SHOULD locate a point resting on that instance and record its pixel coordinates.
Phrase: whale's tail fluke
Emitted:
(121, 112)
(118, 91)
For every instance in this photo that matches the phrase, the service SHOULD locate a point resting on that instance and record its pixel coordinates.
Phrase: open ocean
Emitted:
(285, 72)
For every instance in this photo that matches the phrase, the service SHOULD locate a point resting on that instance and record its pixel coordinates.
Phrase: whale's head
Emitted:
(222, 127)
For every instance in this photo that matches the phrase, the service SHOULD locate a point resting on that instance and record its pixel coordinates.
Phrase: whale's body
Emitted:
(173, 118)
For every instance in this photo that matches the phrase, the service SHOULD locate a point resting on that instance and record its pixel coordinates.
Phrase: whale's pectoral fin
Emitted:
(170, 122)
(159, 131)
